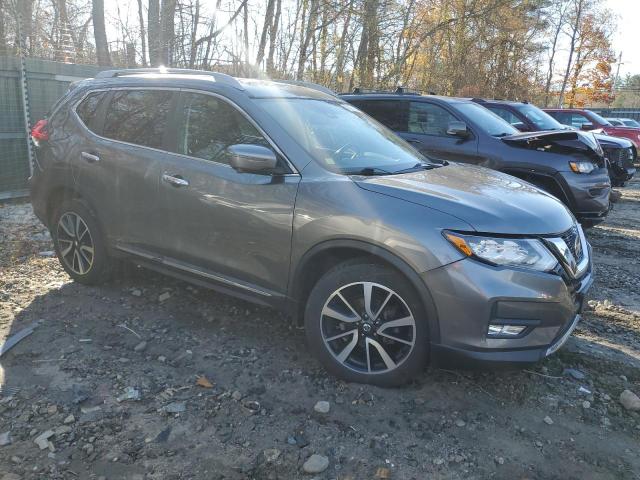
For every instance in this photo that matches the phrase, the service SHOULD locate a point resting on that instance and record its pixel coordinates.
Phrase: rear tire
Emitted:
(79, 243)
(366, 323)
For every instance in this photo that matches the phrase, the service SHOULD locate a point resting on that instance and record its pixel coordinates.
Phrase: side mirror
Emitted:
(458, 129)
(252, 158)
(586, 126)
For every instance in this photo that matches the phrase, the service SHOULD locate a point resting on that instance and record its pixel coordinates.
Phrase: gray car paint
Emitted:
(252, 234)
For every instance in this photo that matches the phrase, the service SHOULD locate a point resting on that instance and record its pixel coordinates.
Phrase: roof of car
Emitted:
(405, 96)
(498, 101)
(255, 88)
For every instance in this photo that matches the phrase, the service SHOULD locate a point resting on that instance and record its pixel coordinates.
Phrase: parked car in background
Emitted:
(620, 122)
(620, 152)
(287, 196)
(588, 120)
(615, 122)
(567, 164)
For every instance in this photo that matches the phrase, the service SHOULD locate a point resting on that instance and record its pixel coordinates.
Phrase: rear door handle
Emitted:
(176, 180)
(90, 157)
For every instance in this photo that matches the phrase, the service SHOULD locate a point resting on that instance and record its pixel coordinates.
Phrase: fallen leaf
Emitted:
(382, 473)
(204, 382)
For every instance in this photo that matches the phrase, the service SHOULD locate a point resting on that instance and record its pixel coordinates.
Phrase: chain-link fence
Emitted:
(46, 81)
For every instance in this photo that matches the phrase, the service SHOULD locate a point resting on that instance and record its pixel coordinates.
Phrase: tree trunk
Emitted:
(167, 31)
(306, 39)
(245, 34)
(342, 49)
(143, 37)
(273, 35)
(100, 33)
(365, 59)
(194, 33)
(153, 32)
(572, 48)
(266, 26)
(3, 35)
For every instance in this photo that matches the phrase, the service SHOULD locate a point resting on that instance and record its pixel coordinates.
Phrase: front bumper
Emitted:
(590, 194)
(470, 295)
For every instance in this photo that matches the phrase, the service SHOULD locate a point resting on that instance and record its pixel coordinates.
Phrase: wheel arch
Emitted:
(322, 257)
(546, 182)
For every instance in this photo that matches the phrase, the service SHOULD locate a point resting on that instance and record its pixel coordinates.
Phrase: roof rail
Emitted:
(398, 90)
(218, 77)
(478, 100)
(313, 86)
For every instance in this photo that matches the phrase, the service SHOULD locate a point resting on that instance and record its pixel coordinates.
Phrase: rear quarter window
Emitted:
(87, 109)
(138, 116)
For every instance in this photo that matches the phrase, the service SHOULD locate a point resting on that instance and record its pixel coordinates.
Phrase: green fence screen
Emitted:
(46, 82)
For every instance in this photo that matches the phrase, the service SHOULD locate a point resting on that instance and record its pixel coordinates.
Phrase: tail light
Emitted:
(39, 131)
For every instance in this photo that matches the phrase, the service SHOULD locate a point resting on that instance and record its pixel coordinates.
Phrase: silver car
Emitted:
(287, 196)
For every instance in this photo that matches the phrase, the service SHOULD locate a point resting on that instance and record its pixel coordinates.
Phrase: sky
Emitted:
(627, 36)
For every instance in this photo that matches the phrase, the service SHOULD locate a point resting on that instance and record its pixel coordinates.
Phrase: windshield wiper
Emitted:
(422, 166)
(367, 171)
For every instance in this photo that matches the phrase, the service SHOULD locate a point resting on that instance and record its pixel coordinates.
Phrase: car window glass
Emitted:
(138, 116)
(577, 120)
(88, 108)
(390, 113)
(429, 119)
(506, 115)
(210, 125)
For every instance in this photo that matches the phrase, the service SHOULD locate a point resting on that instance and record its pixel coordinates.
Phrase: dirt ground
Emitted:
(107, 385)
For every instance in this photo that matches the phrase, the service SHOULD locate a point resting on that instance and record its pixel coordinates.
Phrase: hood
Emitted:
(565, 142)
(489, 201)
(610, 141)
(554, 140)
(629, 130)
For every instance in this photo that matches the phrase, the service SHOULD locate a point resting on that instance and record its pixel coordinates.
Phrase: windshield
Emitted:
(342, 138)
(598, 119)
(629, 122)
(541, 120)
(486, 120)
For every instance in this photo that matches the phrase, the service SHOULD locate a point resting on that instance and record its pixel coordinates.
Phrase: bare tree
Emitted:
(100, 33)
(143, 39)
(578, 6)
(153, 31)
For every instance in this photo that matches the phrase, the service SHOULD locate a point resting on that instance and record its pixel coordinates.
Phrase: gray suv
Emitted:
(287, 196)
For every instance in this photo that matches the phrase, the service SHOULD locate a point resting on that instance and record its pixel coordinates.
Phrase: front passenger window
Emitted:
(210, 125)
(429, 119)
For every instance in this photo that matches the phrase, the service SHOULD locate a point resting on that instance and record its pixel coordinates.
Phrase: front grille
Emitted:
(619, 156)
(572, 238)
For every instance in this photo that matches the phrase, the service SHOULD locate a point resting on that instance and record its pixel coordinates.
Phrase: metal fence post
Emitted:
(24, 92)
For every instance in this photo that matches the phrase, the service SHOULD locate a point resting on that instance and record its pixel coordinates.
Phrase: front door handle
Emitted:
(90, 157)
(176, 181)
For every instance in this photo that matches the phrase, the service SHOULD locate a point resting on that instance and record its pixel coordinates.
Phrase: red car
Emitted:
(588, 120)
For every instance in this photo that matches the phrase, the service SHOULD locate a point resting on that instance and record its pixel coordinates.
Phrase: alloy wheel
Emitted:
(75, 243)
(368, 327)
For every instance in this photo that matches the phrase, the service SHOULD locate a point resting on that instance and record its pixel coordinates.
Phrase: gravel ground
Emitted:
(151, 378)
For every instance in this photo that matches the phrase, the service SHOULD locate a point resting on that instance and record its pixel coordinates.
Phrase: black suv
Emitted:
(620, 152)
(568, 164)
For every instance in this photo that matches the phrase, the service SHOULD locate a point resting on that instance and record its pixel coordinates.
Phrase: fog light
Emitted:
(505, 330)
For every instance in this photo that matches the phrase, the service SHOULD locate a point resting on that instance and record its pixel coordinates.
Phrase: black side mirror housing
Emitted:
(458, 129)
(586, 126)
(247, 158)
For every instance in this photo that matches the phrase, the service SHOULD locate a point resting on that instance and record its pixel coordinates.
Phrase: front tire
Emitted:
(365, 323)
(79, 243)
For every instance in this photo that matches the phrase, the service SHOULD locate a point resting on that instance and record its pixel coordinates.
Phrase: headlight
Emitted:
(514, 252)
(581, 167)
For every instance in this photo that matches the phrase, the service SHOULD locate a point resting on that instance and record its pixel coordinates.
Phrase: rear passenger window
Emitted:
(429, 119)
(392, 114)
(138, 116)
(88, 109)
(210, 125)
